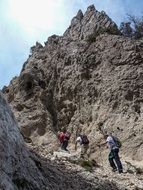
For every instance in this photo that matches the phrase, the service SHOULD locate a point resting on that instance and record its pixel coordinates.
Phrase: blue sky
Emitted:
(23, 22)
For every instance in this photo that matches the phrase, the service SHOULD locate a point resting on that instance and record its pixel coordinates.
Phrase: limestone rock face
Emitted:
(85, 86)
(18, 170)
(21, 169)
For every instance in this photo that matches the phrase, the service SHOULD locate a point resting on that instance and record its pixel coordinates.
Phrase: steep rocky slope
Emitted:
(21, 169)
(18, 170)
(84, 81)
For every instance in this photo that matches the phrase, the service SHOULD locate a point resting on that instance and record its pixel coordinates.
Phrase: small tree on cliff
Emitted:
(126, 29)
(133, 27)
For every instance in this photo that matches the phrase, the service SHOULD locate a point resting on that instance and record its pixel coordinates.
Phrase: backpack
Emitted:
(84, 139)
(67, 136)
(117, 141)
(61, 136)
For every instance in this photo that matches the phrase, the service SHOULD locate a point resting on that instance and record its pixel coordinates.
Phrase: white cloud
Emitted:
(36, 16)
(23, 22)
(36, 19)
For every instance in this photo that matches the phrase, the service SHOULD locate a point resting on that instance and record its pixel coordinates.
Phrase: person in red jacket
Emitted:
(64, 137)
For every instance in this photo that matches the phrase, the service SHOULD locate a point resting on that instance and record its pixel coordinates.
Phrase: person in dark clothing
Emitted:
(113, 157)
(65, 141)
(64, 137)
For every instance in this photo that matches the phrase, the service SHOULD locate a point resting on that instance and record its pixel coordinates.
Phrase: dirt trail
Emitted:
(129, 180)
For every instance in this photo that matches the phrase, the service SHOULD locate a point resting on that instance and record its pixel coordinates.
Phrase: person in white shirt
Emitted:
(84, 142)
(113, 157)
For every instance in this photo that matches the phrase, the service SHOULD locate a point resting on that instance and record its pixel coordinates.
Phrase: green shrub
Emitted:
(132, 27)
(92, 37)
(139, 171)
(87, 164)
(130, 171)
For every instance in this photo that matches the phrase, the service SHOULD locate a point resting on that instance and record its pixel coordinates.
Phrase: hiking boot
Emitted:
(114, 169)
(67, 150)
(120, 171)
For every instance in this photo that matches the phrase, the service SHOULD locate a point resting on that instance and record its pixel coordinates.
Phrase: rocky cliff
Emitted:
(18, 170)
(89, 79)
(22, 169)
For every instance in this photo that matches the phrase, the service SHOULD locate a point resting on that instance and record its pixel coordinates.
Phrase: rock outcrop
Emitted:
(84, 81)
(82, 26)
(18, 170)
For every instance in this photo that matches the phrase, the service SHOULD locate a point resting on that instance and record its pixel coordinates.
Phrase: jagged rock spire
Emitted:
(84, 25)
(91, 8)
(79, 15)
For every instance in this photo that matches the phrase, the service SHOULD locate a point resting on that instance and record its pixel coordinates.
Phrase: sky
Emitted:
(23, 22)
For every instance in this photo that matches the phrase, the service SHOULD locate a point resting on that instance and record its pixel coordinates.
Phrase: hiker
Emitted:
(84, 142)
(64, 137)
(113, 156)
